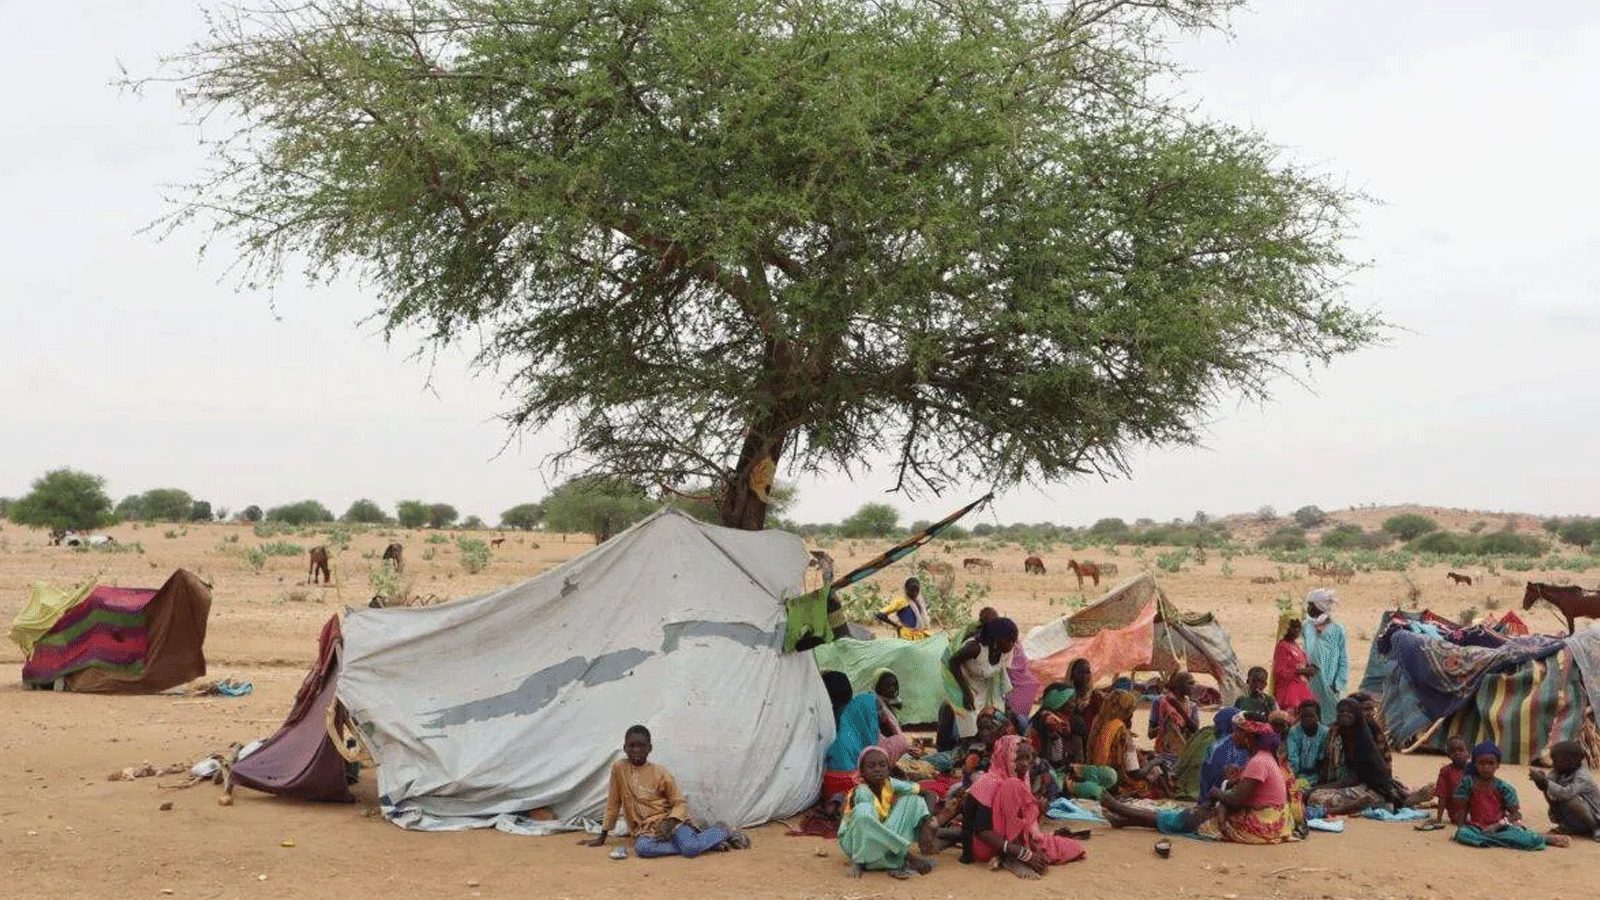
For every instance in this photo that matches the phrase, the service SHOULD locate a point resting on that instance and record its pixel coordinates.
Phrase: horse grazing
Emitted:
(1033, 565)
(1573, 601)
(1084, 570)
(1459, 579)
(395, 553)
(319, 563)
(935, 567)
(977, 562)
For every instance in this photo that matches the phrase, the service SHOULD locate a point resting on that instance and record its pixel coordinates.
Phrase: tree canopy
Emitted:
(64, 498)
(365, 512)
(970, 236)
(596, 505)
(871, 520)
(523, 516)
(304, 512)
(1407, 526)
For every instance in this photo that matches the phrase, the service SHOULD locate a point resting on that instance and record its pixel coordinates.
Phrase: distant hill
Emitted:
(1248, 528)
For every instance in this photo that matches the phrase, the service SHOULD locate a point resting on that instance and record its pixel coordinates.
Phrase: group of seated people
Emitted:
(1256, 774)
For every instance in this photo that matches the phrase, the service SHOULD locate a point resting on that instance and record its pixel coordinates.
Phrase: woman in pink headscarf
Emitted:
(1000, 817)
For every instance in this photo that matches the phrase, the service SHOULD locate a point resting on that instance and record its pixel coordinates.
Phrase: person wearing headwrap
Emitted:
(1291, 669)
(1111, 744)
(886, 687)
(881, 819)
(1491, 813)
(1354, 775)
(1326, 650)
(976, 674)
(856, 730)
(908, 613)
(1252, 809)
(1225, 753)
(1000, 817)
(1056, 740)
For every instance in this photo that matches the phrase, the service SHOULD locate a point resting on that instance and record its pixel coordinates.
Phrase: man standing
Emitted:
(1325, 647)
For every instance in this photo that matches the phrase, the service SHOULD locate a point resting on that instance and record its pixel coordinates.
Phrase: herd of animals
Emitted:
(1033, 565)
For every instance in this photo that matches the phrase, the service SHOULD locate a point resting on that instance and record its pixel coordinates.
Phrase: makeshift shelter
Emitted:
(1522, 692)
(518, 699)
(1135, 627)
(917, 664)
(45, 606)
(126, 640)
(1427, 622)
(302, 759)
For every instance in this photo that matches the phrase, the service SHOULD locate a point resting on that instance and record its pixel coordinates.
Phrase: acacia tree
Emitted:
(720, 236)
(63, 498)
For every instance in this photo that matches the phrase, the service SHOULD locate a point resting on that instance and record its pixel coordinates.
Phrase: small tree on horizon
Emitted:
(1408, 526)
(596, 505)
(251, 513)
(166, 505)
(365, 512)
(200, 511)
(64, 498)
(1309, 516)
(523, 516)
(305, 512)
(411, 513)
(441, 515)
(875, 520)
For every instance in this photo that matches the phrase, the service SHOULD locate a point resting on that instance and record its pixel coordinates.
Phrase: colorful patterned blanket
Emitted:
(107, 630)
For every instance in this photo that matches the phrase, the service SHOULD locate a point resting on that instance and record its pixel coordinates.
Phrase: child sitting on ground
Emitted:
(1444, 788)
(1570, 789)
(1257, 703)
(656, 811)
(1491, 814)
(883, 818)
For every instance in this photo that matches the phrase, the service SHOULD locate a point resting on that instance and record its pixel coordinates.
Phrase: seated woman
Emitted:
(856, 730)
(1058, 739)
(1225, 756)
(1354, 775)
(1000, 818)
(882, 817)
(886, 686)
(1252, 809)
(1111, 744)
(1177, 717)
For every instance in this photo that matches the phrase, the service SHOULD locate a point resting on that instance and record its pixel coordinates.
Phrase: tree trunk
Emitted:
(740, 506)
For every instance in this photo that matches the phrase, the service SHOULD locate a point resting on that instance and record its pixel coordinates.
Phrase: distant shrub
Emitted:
(1289, 537)
(1409, 526)
(282, 548)
(1309, 516)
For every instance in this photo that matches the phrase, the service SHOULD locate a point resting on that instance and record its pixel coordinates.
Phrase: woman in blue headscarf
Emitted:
(1225, 752)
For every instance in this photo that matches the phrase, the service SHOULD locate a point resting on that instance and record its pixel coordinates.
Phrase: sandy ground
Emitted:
(66, 831)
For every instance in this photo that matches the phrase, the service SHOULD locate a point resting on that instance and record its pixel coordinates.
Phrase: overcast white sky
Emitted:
(1473, 122)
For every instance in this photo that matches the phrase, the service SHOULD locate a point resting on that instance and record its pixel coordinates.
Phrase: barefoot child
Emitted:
(882, 817)
(1571, 791)
(657, 813)
(1491, 815)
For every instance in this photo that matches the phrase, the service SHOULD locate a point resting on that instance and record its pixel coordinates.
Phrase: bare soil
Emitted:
(67, 831)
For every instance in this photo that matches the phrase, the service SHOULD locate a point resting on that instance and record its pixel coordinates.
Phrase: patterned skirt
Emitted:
(1272, 825)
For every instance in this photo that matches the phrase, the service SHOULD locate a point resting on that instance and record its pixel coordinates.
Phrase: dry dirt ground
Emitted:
(66, 831)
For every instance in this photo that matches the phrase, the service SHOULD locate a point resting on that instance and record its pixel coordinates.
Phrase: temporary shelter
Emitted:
(1522, 692)
(518, 699)
(919, 666)
(126, 640)
(1427, 622)
(302, 759)
(1134, 627)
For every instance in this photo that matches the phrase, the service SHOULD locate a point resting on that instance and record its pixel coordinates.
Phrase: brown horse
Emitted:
(977, 562)
(1573, 601)
(1084, 570)
(497, 542)
(319, 564)
(395, 553)
(1033, 565)
(1459, 579)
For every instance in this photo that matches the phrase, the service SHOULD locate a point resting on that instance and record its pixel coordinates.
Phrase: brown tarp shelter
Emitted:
(301, 759)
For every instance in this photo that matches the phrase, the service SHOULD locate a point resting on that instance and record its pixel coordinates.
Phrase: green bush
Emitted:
(474, 554)
(1172, 562)
(1409, 526)
(282, 548)
(305, 512)
(254, 557)
(1290, 537)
